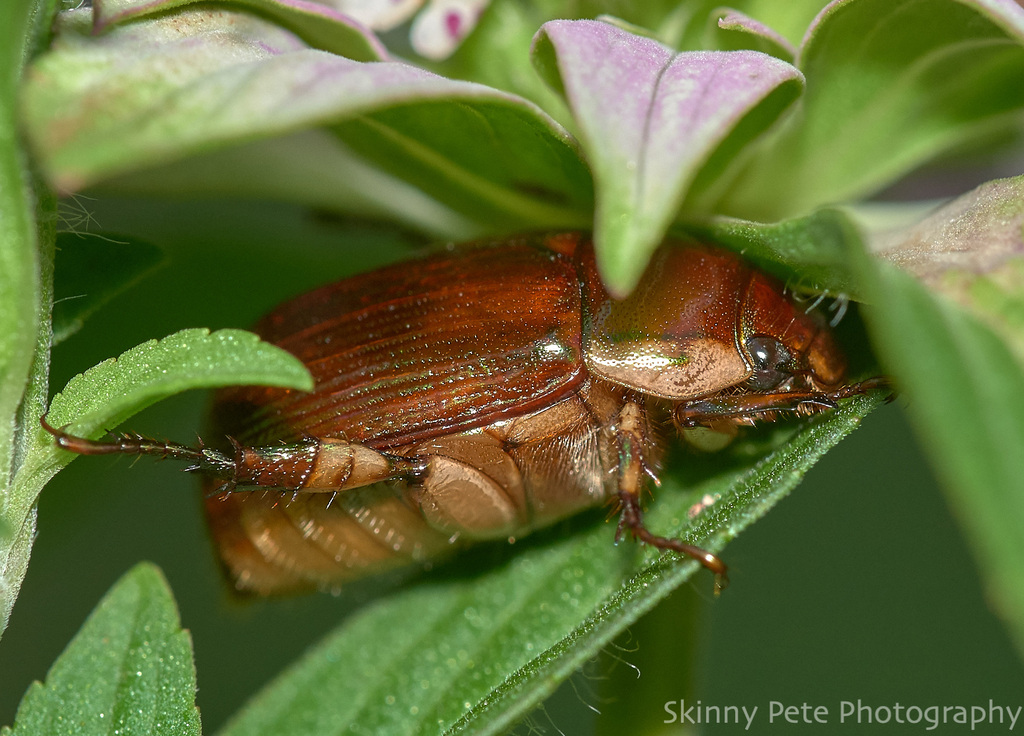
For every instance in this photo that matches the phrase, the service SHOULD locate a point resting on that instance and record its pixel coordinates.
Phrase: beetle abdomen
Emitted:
(500, 481)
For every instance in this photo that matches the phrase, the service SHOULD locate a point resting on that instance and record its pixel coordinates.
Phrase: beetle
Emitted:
(487, 391)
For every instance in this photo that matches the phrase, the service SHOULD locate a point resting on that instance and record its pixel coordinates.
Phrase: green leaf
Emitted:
(889, 86)
(107, 394)
(19, 278)
(961, 367)
(308, 168)
(98, 106)
(25, 241)
(965, 392)
(19, 284)
(650, 119)
(128, 671)
(489, 159)
(476, 654)
(810, 252)
(90, 271)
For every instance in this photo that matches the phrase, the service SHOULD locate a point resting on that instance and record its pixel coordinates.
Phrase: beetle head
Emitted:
(786, 347)
(702, 321)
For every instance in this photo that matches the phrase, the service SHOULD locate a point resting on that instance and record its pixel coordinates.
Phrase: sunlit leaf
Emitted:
(128, 671)
(890, 85)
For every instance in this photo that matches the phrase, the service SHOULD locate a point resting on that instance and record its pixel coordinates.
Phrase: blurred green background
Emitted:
(857, 586)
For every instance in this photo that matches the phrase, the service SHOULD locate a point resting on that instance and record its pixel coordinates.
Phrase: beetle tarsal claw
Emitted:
(631, 518)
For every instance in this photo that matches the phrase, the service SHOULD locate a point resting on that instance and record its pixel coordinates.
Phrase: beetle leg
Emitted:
(203, 458)
(746, 408)
(314, 465)
(630, 435)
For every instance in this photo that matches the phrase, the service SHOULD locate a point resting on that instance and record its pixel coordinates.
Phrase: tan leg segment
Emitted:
(316, 466)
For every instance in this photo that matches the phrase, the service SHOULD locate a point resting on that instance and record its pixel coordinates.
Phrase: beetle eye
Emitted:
(768, 356)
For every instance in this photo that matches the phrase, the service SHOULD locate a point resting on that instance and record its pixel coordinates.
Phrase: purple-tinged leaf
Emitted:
(972, 251)
(735, 30)
(317, 24)
(649, 119)
(789, 19)
(199, 80)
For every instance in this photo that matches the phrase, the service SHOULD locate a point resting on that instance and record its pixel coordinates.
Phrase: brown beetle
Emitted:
(486, 392)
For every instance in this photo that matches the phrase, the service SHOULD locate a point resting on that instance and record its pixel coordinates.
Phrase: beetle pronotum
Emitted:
(485, 392)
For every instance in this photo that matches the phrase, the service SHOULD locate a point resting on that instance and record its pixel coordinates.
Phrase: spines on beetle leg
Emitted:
(312, 465)
(203, 458)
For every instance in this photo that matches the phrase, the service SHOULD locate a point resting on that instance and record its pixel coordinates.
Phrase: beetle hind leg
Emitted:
(128, 443)
(313, 465)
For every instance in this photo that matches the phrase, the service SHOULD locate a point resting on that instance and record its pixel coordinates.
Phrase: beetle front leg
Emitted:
(631, 439)
(746, 408)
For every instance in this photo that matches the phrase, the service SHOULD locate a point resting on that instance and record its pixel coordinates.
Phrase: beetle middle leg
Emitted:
(630, 436)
